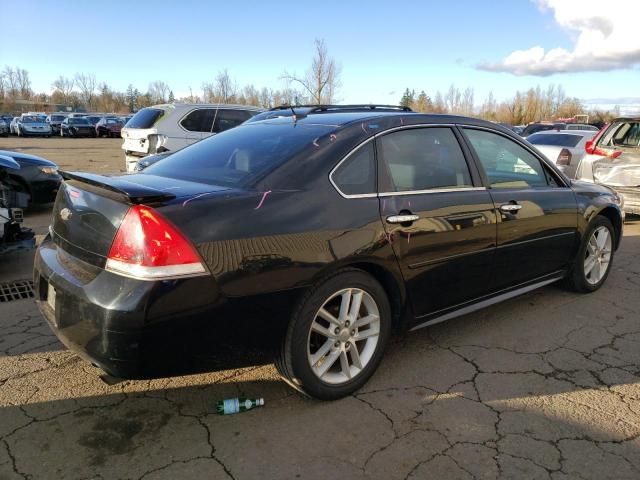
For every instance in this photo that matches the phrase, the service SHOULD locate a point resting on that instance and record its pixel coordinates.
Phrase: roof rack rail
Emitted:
(333, 108)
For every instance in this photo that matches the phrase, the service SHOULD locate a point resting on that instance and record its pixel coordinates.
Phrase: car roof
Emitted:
(206, 105)
(339, 119)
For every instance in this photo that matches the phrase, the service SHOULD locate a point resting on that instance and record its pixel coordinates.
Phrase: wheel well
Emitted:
(391, 287)
(616, 220)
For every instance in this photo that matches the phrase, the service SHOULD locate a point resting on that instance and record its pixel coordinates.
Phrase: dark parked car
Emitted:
(93, 119)
(109, 127)
(348, 225)
(37, 176)
(77, 127)
(54, 120)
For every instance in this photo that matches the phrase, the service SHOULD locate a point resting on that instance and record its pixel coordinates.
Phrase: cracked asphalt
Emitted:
(544, 386)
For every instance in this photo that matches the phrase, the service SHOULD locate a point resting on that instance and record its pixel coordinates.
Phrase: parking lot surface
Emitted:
(543, 386)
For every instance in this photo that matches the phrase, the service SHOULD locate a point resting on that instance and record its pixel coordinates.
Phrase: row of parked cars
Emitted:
(63, 124)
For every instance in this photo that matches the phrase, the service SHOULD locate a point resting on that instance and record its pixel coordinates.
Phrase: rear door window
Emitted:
(227, 119)
(199, 120)
(507, 164)
(422, 159)
(145, 118)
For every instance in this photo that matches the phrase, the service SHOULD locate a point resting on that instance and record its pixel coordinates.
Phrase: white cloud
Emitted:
(605, 38)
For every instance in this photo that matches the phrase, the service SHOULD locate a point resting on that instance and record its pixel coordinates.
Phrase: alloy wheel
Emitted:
(597, 255)
(343, 336)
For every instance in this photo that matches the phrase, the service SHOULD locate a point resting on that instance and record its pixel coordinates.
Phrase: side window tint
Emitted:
(356, 175)
(507, 164)
(199, 120)
(422, 159)
(227, 119)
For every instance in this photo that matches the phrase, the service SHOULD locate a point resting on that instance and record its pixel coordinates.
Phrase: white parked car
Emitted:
(170, 127)
(613, 159)
(565, 147)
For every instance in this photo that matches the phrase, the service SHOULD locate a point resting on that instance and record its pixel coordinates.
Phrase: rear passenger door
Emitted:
(438, 217)
(536, 210)
(197, 124)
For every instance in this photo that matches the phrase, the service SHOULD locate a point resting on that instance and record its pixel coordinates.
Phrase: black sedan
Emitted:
(339, 227)
(37, 176)
(77, 127)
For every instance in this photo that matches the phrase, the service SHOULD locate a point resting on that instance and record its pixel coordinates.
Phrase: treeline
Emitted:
(524, 107)
(84, 91)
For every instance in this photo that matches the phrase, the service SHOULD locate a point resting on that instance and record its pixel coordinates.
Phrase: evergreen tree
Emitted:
(171, 97)
(408, 98)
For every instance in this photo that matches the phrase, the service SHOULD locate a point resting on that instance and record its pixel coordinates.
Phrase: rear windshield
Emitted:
(240, 156)
(145, 118)
(562, 140)
(57, 117)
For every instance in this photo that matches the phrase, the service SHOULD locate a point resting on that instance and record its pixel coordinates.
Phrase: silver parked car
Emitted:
(565, 147)
(33, 125)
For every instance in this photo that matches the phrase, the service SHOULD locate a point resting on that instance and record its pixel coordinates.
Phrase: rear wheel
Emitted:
(336, 336)
(592, 264)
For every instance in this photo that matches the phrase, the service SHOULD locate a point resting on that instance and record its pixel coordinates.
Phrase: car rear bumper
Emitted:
(122, 325)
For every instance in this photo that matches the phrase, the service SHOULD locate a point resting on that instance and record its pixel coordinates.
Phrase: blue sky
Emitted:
(382, 46)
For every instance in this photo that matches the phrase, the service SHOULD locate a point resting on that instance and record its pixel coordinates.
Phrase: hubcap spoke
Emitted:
(344, 364)
(328, 362)
(344, 305)
(361, 322)
(602, 238)
(589, 264)
(371, 332)
(316, 327)
(322, 351)
(356, 301)
(355, 357)
(322, 313)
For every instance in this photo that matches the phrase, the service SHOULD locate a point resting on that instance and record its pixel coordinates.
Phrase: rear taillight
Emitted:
(148, 247)
(564, 158)
(591, 148)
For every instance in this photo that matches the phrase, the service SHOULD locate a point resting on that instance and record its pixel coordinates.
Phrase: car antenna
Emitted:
(295, 116)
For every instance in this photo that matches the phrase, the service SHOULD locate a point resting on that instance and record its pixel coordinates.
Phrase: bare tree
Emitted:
(87, 86)
(159, 91)
(322, 80)
(225, 88)
(64, 86)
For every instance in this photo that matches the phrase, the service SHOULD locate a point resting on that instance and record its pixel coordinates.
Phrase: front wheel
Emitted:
(592, 264)
(336, 336)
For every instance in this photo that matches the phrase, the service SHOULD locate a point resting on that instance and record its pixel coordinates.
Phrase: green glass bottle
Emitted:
(235, 405)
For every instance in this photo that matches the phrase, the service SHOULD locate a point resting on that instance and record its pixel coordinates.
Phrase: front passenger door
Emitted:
(438, 218)
(536, 211)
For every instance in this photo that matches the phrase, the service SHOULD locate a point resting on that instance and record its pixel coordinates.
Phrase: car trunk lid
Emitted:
(89, 208)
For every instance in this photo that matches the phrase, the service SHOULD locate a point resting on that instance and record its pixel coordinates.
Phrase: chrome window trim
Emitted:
(354, 150)
(432, 191)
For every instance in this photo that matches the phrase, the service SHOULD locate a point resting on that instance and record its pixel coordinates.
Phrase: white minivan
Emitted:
(173, 126)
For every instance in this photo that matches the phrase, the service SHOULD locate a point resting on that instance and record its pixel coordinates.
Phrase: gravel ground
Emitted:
(543, 386)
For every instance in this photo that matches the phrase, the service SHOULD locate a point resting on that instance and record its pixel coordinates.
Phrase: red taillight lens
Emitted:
(564, 158)
(147, 246)
(592, 149)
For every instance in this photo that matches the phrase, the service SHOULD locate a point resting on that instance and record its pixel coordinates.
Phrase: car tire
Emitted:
(317, 355)
(593, 261)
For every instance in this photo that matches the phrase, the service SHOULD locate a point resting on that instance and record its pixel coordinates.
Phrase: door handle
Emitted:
(408, 218)
(510, 207)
